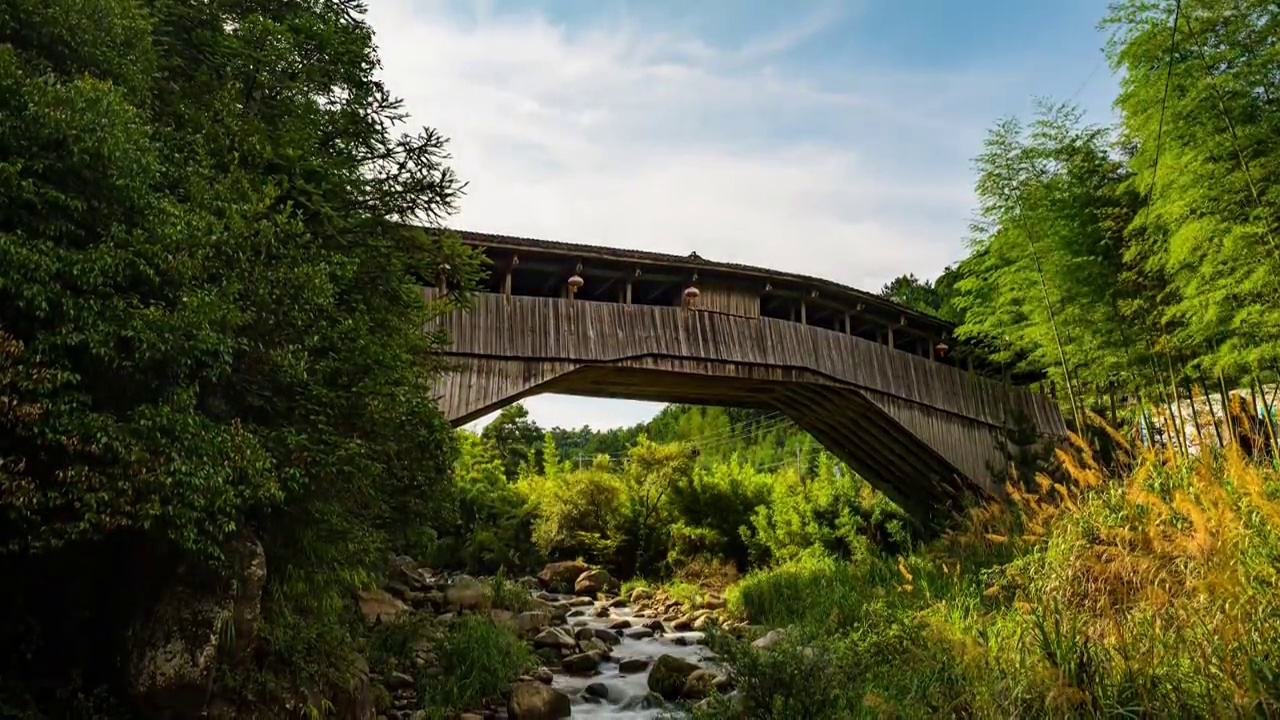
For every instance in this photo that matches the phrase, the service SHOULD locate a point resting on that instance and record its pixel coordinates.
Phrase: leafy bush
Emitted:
(478, 661)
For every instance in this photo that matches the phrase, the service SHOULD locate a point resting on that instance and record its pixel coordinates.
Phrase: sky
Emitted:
(827, 137)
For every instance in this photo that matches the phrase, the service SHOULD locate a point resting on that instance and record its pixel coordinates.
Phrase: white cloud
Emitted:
(622, 135)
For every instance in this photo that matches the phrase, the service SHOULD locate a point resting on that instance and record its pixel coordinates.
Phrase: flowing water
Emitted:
(628, 694)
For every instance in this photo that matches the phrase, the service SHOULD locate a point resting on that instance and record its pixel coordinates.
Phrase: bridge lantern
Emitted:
(691, 294)
(575, 282)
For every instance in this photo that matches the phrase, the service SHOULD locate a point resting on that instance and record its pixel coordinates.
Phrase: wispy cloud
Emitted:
(626, 134)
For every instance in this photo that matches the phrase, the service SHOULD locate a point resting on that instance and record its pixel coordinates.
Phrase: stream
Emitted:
(627, 694)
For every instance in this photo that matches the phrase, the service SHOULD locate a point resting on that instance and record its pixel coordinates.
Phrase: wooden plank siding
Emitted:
(728, 300)
(925, 433)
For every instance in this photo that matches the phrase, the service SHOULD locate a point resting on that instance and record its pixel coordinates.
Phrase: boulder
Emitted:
(591, 582)
(536, 701)
(633, 665)
(173, 652)
(555, 637)
(641, 594)
(532, 621)
(379, 606)
(561, 575)
(770, 639)
(669, 676)
(620, 624)
(464, 593)
(583, 663)
(699, 684)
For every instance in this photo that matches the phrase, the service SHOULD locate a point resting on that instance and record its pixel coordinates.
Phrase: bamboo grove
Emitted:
(1136, 265)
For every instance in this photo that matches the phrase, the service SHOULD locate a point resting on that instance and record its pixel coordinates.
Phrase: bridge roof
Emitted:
(871, 303)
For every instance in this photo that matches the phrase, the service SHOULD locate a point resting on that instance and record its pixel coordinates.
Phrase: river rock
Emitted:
(583, 663)
(699, 684)
(560, 576)
(536, 701)
(398, 681)
(597, 689)
(656, 626)
(596, 645)
(640, 633)
(544, 675)
(769, 639)
(608, 636)
(592, 582)
(379, 606)
(620, 624)
(641, 594)
(532, 621)
(633, 665)
(682, 624)
(555, 637)
(464, 593)
(669, 675)
(701, 623)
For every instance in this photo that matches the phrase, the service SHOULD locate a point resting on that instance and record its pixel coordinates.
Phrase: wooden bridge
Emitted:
(882, 387)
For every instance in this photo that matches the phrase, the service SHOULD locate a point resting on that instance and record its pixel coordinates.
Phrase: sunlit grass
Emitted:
(1151, 593)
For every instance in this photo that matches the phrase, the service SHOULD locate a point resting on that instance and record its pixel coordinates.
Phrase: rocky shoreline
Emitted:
(602, 654)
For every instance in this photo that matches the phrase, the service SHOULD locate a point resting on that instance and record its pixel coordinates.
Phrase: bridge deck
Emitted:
(924, 432)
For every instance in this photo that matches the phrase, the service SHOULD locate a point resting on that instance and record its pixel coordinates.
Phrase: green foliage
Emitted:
(489, 525)
(478, 661)
(1106, 596)
(209, 313)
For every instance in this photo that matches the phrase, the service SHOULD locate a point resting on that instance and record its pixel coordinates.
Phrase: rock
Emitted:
(584, 633)
(582, 663)
(536, 701)
(464, 716)
(618, 602)
(544, 675)
(591, 582)
(620, 624)
(641, 594)
(579, 602)
(528, 582)
(399, 681)
(682, 624)
(601, 612)
(699, 684)
(597, 646)
(656, 626)
(173, 653)
(532, 621)
(770, 639)
(464, 593)
(701, 623)
(633, 665)
(561, 575)
(555, 638)
(713, 602)
(669, 676)
(640, 633)
(379, 606)
(597, 689)
(608, 636)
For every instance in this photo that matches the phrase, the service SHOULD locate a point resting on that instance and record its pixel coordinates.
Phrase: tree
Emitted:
(209, 312)
(914, 293)
(516, 438)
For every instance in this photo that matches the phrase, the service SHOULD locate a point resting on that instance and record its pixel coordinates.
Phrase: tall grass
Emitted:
(1150, 592)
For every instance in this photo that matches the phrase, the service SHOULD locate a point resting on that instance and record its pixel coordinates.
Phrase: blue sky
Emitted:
(829, 138)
